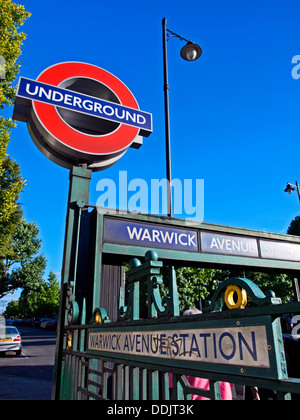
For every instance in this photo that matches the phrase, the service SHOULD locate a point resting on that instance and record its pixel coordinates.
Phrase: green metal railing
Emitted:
(132, 357)
(100, 364)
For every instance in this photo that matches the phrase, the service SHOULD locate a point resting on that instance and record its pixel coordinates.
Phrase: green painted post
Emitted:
(78, 195)
(215, 393)
(155, 385)
(97, 263)
(173, 292)
(177, 388)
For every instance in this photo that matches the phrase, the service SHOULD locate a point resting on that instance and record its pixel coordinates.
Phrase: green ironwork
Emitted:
(69, 309)
(274, 376)
(104, 343)
(121, 250)
(150, 270)
(253, 291)
(162, 342)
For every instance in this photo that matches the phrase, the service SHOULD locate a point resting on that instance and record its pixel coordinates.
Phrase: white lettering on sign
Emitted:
(160, 236)
(246, 346)
(229, 245)
(280, 250)
(84, 104)
(132, 233)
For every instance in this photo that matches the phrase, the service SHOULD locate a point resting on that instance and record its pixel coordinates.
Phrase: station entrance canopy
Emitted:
(199, 244)
(108, 349)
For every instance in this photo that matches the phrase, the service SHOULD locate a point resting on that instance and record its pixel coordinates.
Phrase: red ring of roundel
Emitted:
(103, 144)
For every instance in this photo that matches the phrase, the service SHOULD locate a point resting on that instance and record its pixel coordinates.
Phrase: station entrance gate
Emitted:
(107, 349)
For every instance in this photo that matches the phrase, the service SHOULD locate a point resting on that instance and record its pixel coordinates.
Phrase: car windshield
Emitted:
(9, 330)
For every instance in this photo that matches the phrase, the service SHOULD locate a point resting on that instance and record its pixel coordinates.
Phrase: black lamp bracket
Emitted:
(171, 34)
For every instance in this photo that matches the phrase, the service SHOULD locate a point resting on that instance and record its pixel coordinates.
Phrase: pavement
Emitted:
(20, 388)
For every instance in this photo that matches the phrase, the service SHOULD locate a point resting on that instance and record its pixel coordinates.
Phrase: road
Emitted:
(34, 368)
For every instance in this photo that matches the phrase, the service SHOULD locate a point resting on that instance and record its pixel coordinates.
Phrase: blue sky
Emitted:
(234, 112)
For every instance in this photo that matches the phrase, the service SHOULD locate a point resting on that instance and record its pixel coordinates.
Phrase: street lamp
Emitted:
(290, 188)
(190, 52)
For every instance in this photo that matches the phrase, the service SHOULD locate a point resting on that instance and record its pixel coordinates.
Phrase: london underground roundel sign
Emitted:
(78, 113)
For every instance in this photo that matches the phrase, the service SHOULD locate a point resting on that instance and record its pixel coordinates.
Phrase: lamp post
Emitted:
(290, 188)
(190, 52)
(296, 284)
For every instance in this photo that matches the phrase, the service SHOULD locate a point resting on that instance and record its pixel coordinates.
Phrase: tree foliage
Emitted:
(43, 301)
(22, 267)
(12, 17)
(11, 184)
(19, 242)
(197, 285)
(280, 284)
(294, 228)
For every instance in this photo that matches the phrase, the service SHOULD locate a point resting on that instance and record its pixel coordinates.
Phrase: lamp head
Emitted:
(191, 51)
(289, 189)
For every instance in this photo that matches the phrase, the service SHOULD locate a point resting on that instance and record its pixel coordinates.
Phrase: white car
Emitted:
(10, 340)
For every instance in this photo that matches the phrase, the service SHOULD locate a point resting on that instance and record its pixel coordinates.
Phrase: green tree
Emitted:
(11, 184)
(280, 284)
(21, 267)
(194, 284)
(43, 300)
(12, 17)
(199, 283)
(50, 297)
(12, 309)
(294, 228)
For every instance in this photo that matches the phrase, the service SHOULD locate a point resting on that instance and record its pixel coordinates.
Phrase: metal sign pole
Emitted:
(167, 119)
(78, 194)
